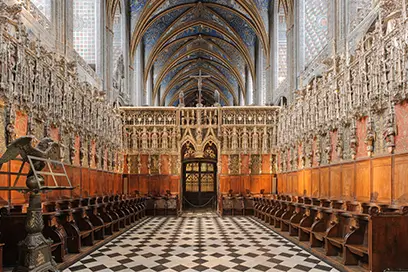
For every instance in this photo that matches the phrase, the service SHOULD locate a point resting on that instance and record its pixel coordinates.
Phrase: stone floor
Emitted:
(200, 242)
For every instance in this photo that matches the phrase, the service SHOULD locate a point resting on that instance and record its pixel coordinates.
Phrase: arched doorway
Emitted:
(199, 178)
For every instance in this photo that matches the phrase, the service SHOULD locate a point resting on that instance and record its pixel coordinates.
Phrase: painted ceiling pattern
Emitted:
(182, 37)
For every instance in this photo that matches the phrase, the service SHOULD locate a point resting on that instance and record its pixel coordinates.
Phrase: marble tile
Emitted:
(200, 242)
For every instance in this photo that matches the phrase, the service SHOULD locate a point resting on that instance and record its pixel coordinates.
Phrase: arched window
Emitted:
(85, 30)
(282, 46)
(44, 6)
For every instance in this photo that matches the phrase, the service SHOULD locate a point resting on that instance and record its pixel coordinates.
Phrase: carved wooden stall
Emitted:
(351, 235)
(41, 94)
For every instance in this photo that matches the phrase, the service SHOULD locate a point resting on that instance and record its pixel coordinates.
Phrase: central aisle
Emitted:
(200, 243)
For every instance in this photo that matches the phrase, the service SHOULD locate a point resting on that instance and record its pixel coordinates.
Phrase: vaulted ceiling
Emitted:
(182, 37)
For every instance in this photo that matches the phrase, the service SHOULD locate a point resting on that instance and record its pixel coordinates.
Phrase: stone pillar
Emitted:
(108, 54)
(295, 48)
(158, 96)
(241, 98)
(63, 21)
(260, 93)
(273, 70)
(100, 62)
(341, 25)
(148, 89)
(138, 86)
(249, 96)
(125, 44)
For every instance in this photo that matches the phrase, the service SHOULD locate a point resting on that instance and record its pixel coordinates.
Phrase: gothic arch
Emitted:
(145, 21)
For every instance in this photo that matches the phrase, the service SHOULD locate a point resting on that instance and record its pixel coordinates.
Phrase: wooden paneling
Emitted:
(86, 190)
(315, 182)
(363, 181)
(307, 176)
(324, 182)
(247, 184)
(335, 182)
(381, 188)
(301, 183)
(400, 185)
(348, 181)
(236, 184)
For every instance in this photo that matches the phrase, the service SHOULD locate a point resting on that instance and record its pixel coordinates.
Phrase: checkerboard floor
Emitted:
(200, 243)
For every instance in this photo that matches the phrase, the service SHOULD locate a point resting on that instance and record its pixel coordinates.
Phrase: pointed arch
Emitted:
(145, 21)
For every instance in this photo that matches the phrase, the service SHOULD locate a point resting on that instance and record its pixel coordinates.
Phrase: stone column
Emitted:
(260, 74)
(148, 89)
(241, 98)
(125, 44)
(158, 96)
(100, 62)
(137, 86)
(273, 70)
(108, 54)
(295, 47)
(249, 98)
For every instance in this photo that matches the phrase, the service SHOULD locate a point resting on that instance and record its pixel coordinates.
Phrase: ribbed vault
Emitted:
(180, 38)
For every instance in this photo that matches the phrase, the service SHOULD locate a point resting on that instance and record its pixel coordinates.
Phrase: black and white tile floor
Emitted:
(200, 243)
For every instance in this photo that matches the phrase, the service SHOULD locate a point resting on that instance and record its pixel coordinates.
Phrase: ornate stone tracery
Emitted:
(193, 132)
(364, 86)
(46, 87)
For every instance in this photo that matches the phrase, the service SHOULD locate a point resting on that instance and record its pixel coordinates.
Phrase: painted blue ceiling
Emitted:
(238, 51)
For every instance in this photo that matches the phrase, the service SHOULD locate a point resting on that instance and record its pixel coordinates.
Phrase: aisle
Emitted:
(200, 243)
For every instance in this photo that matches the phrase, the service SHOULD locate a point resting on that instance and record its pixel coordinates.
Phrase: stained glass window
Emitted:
(282, 46)
(316, 27)
(357, 11)
(44, 6)
(192, 182)
(200, 177)
(207, 182)
(85, 29)
(117, 36)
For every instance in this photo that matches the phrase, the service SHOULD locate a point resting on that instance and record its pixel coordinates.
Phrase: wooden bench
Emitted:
(249, 205)
(294, 221)
(97, 222)
(353, 233)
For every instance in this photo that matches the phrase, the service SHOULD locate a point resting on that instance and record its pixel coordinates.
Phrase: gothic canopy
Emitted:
(181, 38)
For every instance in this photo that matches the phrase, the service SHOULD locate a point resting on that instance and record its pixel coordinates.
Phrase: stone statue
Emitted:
(119, 75)
(154, 139)
(255, 139)
(144, 139)
(389, 133)
(181, 99)
(245, 140)
(165, 139)
(217, 98)
(370, 138)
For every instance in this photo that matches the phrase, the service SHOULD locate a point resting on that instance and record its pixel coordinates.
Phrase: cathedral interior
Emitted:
(203, 135)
